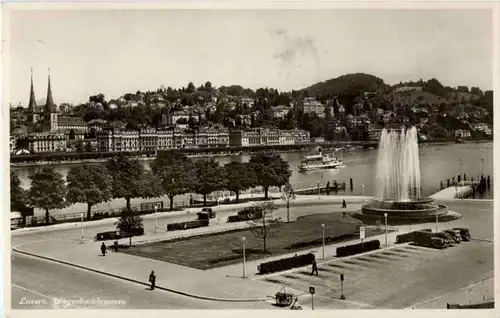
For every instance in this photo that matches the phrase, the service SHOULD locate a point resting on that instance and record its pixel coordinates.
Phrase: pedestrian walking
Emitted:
(103, 249)
(152, 279)
(314, 268)
(344, 204)
(116, 246)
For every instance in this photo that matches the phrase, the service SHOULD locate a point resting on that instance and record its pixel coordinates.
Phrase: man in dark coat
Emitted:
(344, 204)
(103, 249)
(116, 246)
(152, 279)
(314, 268)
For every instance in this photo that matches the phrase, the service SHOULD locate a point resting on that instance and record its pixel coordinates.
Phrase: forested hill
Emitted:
(350, 83)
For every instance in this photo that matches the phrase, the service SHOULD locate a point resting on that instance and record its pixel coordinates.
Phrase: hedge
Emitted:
(233, 218)
(187, 225)
(286, 263)
(358, 248)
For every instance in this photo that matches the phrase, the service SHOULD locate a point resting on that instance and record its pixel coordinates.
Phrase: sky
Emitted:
(119, 51)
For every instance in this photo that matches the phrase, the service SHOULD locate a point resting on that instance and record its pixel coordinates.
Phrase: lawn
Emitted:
(215, 250)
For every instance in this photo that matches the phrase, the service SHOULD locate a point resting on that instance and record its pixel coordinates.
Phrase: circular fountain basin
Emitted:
(421, 210)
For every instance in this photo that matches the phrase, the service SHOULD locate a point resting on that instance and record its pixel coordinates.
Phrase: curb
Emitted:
(136, 281)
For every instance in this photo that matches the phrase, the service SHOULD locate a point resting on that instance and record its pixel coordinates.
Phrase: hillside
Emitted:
(349, 83)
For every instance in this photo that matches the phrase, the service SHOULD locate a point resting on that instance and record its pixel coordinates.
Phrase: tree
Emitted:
(265, 227)
(17, 195)
(88, 184)
(288, 194)
(129, 224)
(208, 178)
(238, 176)
(270, 170)
(175, 172)
(48, 191)
(130, 180)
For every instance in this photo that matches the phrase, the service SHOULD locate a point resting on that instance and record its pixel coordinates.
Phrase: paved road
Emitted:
(42, 281)
(149, 224)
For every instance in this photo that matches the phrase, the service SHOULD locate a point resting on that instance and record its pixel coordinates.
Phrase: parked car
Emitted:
(455, 234)
(206, 213)
(250, 213)
(446, 237)
(464, 232)
(429, 241)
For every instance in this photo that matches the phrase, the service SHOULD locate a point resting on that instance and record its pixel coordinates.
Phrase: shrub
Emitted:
(187, 225)
(103, 236)
(233, 218)
(358, 248)
(286, 263)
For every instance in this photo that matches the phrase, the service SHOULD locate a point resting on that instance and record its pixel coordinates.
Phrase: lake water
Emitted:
(437, 162)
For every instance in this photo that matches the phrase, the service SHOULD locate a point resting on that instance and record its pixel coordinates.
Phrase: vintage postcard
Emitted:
(267, 157)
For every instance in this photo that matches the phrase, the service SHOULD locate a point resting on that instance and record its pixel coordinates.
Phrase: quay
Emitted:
(98, 157)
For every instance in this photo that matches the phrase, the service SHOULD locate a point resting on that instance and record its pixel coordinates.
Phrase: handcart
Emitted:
(283, 298)
(295, 305)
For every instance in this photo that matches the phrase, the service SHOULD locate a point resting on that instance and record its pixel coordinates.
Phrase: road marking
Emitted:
(449, 293)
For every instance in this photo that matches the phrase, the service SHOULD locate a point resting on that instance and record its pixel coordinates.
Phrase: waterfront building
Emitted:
(301, 136)
(267, 136)
(44, 142)
(65, 123)
(165, 139)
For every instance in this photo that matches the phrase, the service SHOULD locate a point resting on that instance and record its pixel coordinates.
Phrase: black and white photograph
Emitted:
(249, 159)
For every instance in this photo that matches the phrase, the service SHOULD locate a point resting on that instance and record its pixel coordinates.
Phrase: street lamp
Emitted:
(243, 239)
(81, 217)
(462, 187)
(437, 222)
(385, 216)
(156, 218)
(363, 186)
(323, 240)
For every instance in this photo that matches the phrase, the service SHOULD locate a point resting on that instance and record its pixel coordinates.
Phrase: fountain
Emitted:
(398, 184)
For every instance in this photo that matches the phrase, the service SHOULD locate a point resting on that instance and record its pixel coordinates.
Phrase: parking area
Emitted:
(398, 277)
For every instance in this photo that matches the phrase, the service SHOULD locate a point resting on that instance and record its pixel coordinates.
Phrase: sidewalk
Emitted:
(171, 277)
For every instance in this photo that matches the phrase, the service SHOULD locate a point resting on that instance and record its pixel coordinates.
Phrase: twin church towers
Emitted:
(41, 119)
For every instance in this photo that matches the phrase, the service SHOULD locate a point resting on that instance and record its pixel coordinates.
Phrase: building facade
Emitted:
(267, 137)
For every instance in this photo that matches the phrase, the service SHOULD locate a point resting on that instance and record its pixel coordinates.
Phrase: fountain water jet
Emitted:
(398, 184)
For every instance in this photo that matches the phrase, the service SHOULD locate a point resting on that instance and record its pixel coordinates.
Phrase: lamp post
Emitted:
(437, 222)
(363, 186)
(156, 218)
(462, 187)
(385, 216)
(319, 191)
(81, 217)
(243, 239)
(323, 240)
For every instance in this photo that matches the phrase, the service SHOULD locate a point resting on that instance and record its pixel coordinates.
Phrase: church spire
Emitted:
(49, 104)
(32, 102)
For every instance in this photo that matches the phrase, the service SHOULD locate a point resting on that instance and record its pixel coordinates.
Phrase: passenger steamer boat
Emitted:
(320, 161)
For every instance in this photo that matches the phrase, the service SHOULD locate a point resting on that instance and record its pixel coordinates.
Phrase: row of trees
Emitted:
(172, 173)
